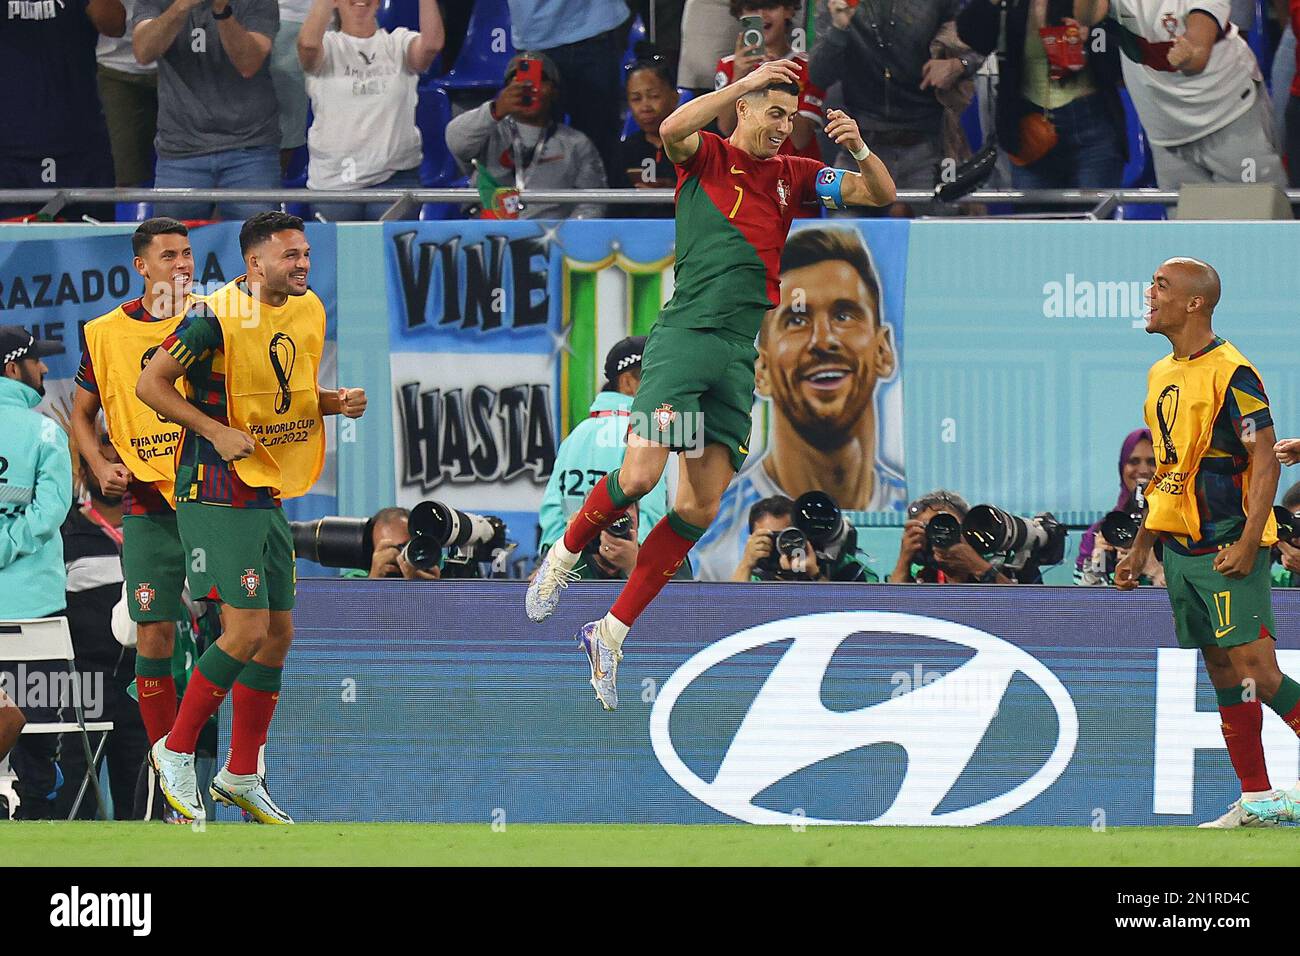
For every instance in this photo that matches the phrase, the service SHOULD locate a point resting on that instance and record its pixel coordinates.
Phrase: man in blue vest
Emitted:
(594, 448)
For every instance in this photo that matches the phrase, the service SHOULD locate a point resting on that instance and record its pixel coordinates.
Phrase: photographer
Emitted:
(920, 560)
(389, 534)
(1098, 557)
(1286, 554)
(804, 540)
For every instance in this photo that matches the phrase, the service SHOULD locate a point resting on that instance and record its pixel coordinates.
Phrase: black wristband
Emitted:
(989, 576)
(230, 12)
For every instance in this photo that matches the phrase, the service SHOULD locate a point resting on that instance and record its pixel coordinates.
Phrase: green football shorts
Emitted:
(153, 566)
(1212, 610)
(240, 556)
(697, 388)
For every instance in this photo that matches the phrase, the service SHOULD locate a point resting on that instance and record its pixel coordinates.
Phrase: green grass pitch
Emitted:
(412, 844)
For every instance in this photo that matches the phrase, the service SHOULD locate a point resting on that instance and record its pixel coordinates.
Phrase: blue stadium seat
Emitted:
(636, 35)
(487, 49)
(629, 124)
(1257, 38)
(1139, 170)
(432, 114)
(399, 13)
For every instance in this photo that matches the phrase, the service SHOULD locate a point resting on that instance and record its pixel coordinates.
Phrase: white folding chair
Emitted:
(48, 639)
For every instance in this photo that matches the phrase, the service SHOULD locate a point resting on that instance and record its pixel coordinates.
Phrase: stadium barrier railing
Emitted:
(405, 203)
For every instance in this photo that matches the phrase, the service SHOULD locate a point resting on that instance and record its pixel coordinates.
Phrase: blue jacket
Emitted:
(35, 496)
(591, 451)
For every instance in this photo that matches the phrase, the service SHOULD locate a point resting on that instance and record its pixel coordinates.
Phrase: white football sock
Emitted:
(1258, 795)
(612, 632)
(563, 556)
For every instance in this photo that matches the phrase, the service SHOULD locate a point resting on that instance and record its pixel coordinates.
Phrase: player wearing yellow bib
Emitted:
(115, 347)
(253, 436)
(1210, 503)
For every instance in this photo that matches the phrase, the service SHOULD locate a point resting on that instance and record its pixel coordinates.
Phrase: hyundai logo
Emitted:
(939, 724)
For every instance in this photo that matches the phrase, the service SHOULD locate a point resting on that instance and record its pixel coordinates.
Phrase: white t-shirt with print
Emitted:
(363, 104)
(1174, 108)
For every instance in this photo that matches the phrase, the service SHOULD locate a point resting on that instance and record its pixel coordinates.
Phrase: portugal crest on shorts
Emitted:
(144, 596)
(250, 581)
(664, 416)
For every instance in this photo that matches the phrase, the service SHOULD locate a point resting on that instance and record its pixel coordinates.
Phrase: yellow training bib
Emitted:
(272, 358)
(1184, 397)
(119, 347)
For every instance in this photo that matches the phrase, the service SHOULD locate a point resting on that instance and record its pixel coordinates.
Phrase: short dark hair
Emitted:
(938, 499)
(649, 58)
(1291, 500)
(782, 87)
(736, 6)
(810, 246)
(157, 226)
(263, 226)
(777, 506)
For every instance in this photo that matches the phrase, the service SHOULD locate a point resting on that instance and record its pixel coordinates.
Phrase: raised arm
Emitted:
(431, 40)
(152, 38)
(871, 185)
(681, 130)
(311, 37)
(1191, 52)
(247, 49)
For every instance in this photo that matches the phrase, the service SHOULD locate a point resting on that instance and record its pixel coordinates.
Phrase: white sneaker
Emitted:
(176, 780)
(543, 595)
(247, 792)
(1235, 818)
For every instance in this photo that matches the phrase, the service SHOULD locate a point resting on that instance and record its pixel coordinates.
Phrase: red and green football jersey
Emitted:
(733, 215)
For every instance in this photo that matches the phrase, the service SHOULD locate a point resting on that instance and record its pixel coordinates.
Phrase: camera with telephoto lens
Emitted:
(469, 540)
(349, 542)
(819, 526)
(1120, 527)
(1015, 544)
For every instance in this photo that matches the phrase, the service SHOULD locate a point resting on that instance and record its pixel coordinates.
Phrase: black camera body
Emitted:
(434, 527)
(818, 526)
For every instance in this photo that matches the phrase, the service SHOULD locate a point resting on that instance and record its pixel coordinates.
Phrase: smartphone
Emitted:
(751, 35)
(529, 73)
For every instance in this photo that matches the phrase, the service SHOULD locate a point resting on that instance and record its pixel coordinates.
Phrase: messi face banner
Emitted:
(498, 335)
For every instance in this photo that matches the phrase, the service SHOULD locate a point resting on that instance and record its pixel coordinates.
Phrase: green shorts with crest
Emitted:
(697, 389)
(242, 557)
(153, 567)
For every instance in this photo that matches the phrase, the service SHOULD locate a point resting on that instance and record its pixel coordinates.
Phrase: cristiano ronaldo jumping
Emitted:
(1211, 504)
(735, 200)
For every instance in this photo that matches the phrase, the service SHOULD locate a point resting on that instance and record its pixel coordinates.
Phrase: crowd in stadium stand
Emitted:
(335, 95)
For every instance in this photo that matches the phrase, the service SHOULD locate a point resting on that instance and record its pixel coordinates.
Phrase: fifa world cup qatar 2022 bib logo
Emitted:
(1166, 415)
(283, 353)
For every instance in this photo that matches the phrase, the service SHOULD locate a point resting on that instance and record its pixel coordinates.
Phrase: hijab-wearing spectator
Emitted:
(362, 82)
(1137, 463)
